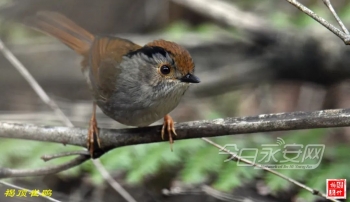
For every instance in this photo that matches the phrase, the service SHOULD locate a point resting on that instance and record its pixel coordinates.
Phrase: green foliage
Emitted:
(228, 179)
(149, 161)
(200, 163)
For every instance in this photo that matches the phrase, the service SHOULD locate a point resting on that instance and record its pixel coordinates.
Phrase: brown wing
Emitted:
(105, 56)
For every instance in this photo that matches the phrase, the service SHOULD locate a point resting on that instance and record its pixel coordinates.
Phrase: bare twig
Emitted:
(33, 83)
(113, 182)
(97, 163)
(64, 154)
(224, 196)
(6, 172)
(235, 157)
(330, 7)
(205, 189)
(21, 188)
(345, 37)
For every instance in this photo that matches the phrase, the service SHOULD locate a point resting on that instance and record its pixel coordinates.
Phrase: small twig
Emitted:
(238, 158)
(340, 22)
(7, 172)
(204, 189)
(97, 163)
(21, 188)
(113, 182)
(33, 83)
(224, 196)
(64, 154)
(345, 37)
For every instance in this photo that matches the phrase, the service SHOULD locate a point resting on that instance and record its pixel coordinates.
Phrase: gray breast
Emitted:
(139, 107)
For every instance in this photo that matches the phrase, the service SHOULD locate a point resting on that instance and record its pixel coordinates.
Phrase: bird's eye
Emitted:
(165, 69)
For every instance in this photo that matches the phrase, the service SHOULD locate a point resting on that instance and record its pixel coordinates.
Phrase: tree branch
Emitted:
(342, 35)
(113, 138)
(340, 22)
(7, 172)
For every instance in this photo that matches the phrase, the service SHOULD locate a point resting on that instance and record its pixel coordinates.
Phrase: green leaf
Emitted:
(155, 156)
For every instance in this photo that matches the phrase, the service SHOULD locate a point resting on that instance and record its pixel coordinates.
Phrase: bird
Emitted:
(132, 84)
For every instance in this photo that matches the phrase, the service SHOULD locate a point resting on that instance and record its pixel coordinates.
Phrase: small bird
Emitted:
(132, 84)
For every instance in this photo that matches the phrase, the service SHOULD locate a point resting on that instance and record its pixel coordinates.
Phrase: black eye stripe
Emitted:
(149, 51)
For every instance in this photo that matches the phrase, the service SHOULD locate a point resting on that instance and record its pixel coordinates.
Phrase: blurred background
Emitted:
(252, 56)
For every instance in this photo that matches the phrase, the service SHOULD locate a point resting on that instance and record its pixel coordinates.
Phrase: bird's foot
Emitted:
(168, 127)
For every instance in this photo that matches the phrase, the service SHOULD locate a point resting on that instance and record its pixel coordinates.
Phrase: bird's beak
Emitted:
(190, 78)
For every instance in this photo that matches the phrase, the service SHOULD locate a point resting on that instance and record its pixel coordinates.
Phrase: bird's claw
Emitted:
(168, 126)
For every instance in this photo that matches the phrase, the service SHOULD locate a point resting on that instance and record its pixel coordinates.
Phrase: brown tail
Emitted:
(63, 29)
